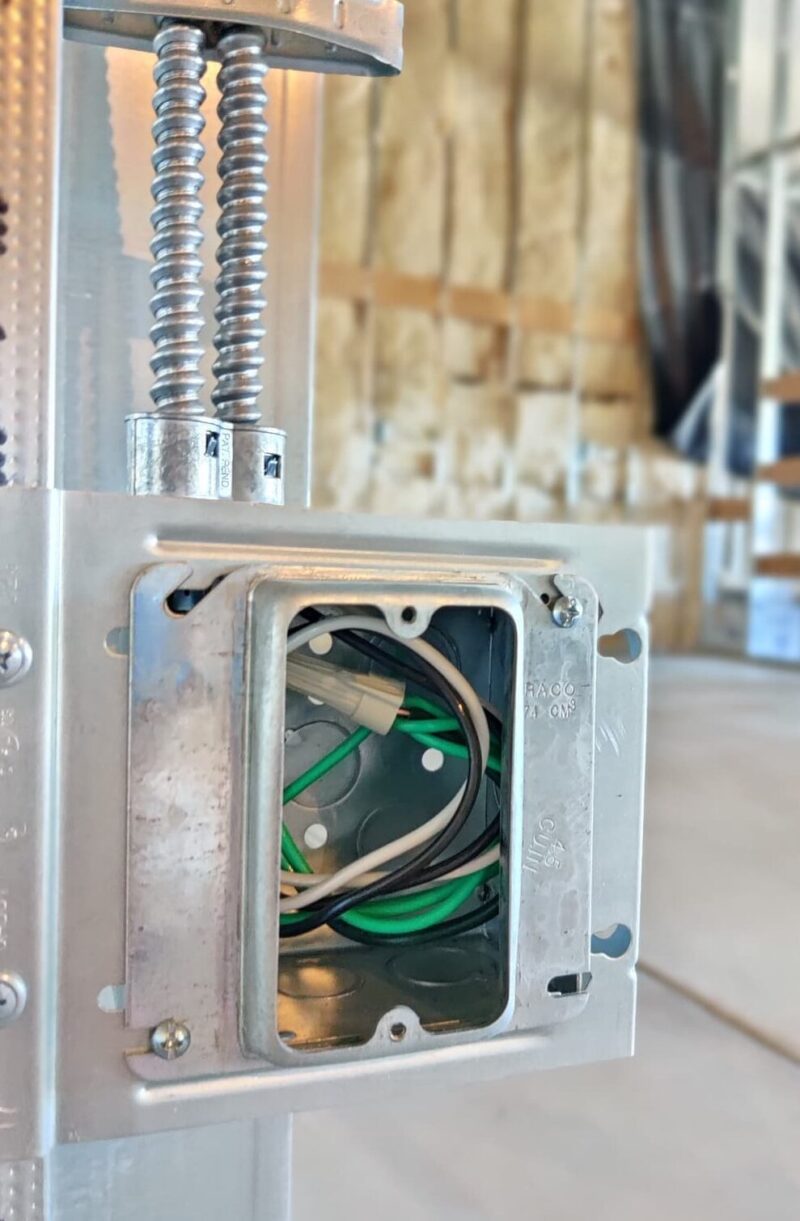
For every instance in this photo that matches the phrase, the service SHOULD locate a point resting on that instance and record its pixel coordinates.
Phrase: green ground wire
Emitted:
(401, 904)
(461, 890)
(454, 749)
(420, 902)
(414, 922)
(433, 725)
(325, 765)
(292, 856)
(414, 919)
(440, 722)
(425, 908)
(420, 704)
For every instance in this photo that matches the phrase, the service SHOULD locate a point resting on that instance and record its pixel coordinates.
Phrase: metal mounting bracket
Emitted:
(356, 37)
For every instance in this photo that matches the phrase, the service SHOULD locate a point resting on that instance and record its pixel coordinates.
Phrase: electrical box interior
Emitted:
(332, 992)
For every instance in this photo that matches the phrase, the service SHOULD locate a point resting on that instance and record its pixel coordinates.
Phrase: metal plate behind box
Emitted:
(89, 1088)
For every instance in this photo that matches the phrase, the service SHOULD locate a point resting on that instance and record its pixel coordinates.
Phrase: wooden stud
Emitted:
(429, 294)
(786, 388)
(728, 508)
(783, 565)
(784, 473)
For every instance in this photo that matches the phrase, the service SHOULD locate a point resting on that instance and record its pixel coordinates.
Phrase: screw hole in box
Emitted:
(397, 1032)
(118, 642)
(624, 647)
(113, 998)
(183, 601)
(613, 942)
(570, 985)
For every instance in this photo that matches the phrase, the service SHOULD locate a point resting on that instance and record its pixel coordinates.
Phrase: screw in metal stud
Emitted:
(567, 611)
(170, 1039)
(13, 995)
(15, 657)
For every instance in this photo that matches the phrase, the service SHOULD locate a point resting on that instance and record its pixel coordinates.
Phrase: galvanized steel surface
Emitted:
(30, 58)
(259, 465)
(179, 457)
(207, 538)
(87, 753)
(177, 274)
(241, 303)
(186, 931)
(347, 36)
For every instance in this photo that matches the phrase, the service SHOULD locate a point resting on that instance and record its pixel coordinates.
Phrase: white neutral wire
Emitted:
(422, 835)
(301, 881)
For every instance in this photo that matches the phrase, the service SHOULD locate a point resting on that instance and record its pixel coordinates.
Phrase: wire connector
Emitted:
(368, 699)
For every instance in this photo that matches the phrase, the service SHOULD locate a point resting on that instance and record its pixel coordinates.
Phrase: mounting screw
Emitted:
(13, 995)
(15, 657)
(566, 612)
(170, 1039)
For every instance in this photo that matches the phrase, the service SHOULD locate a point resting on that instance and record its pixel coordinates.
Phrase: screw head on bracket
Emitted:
(170, 1039)
(13, 995)
(15, 657)
(567, 611)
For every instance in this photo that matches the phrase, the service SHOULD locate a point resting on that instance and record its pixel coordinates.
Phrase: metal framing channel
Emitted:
(295, 195)
(30, 75)
(27, 883)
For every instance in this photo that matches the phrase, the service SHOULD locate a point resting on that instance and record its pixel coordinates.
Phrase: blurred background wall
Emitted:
(480, 344)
